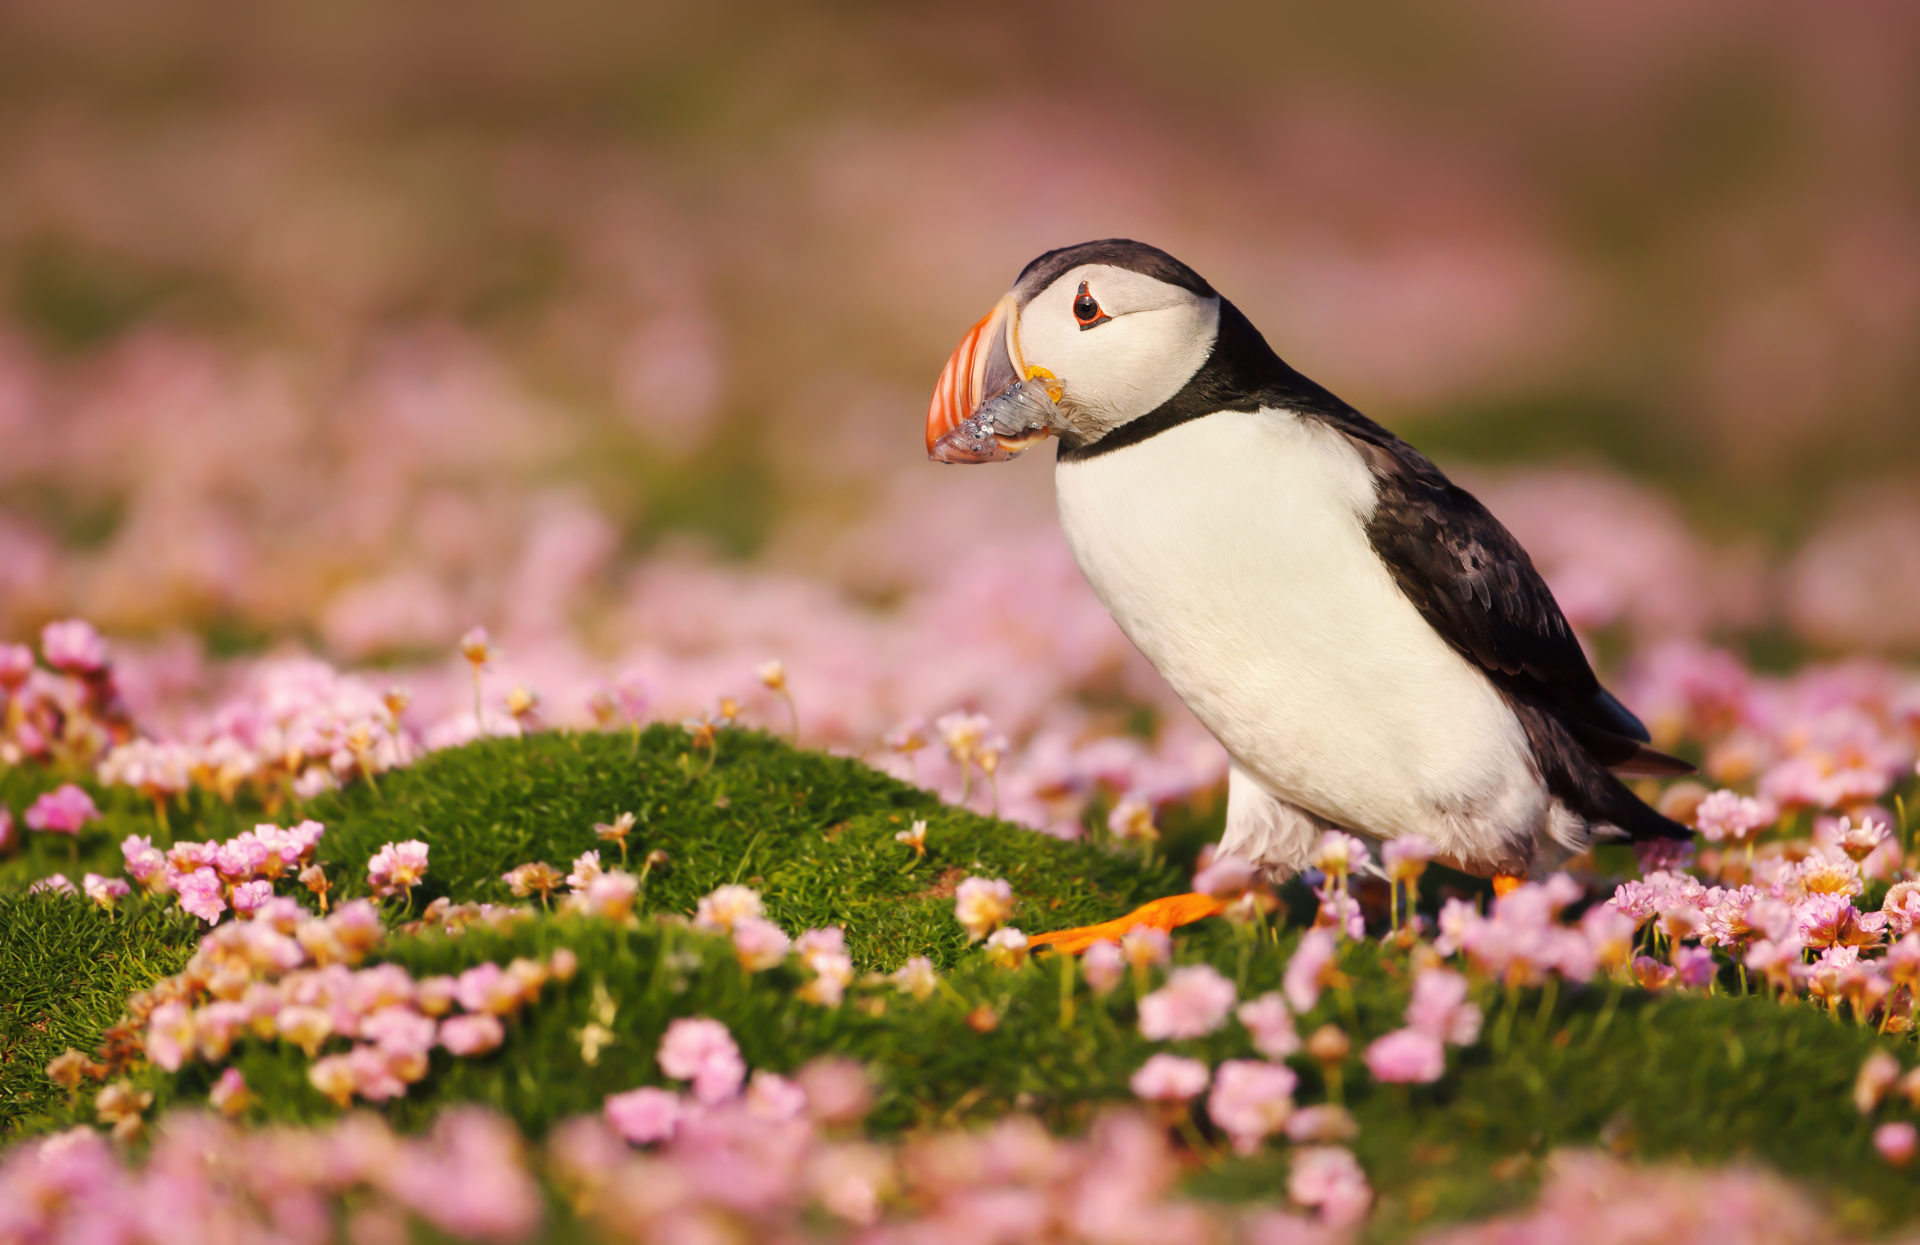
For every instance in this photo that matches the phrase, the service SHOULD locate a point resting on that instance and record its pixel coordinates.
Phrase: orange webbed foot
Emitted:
(1168, 913)
(1506, 883)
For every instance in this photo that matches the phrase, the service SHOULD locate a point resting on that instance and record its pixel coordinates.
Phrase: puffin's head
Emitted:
(1104, 332)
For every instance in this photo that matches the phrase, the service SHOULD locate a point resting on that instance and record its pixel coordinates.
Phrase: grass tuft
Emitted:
(1709, 1078)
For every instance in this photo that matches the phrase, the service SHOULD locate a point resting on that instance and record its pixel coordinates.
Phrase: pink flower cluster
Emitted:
(1836, 737)
(1794, 927)
(64, 810)
(702, 1053)
(778, 1169)
(70, 709)
(1438, 1015)
(289, 976)
(397, 868)
(757, 1166)
(209, 876)
(466, 1178)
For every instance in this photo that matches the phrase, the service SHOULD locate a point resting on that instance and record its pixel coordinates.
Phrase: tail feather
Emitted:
(1577, 762)
(1648, 762)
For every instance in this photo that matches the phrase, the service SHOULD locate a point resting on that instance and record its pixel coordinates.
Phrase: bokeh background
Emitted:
(345, 325)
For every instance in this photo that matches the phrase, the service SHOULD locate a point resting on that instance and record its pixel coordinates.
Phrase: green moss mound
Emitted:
(813, 833)
(1698, 1077)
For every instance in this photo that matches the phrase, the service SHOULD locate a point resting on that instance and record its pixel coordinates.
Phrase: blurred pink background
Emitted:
(347, 325)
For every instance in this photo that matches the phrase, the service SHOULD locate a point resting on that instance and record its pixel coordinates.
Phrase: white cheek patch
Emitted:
(1122, 368)
(1147, 357)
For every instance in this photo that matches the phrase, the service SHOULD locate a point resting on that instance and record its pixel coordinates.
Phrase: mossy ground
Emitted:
(1701, 1078)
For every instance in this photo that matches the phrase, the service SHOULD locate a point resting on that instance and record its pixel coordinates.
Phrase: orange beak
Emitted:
(985, 364)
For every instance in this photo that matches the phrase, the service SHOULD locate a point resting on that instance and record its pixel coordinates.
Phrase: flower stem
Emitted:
(1066, 989)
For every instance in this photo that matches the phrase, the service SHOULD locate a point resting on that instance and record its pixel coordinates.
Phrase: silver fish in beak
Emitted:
(989, 405)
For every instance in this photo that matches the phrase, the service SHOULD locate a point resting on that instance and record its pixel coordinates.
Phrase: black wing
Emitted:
(1475, 585)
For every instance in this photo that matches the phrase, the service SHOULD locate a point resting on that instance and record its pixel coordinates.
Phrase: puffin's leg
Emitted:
(1168, 913)
(1503, 882)
(1260, 828)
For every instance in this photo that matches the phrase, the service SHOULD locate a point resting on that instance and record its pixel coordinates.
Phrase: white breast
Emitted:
(1232, 550)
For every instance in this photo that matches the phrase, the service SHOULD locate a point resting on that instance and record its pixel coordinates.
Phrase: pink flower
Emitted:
(586, 867)
(6, 829)
(73, 646)
(824, 952)
(1830, 920)
(248, 897)
(1251, 1100)
(1694, 966)
(1103, 965)
(1649, 973)
(1339, 854)
(1896, 1142)
(1329, 1179)
(16, 663)
(1878, 1074)
(1778, 962)
(1169, 1078)
(1733, 817)
(1006, 947)
(397, 867)
(610, 895)
(170, 1035)
(1226, 878)
(981, 904)
(1439, 1007)
(333, 1077)
(1902, 907)
(1194, 1002)
(702, 1051)
(474, 1034)
(1609, 933)
(916, 977)
(1146, 947)
(399, 1030)
(774, 1097)
(145, 862)
(1271, 1025)
(1131, 820)
(63, 810)
(202, 894)
(759, 943)
(229, 1095)
(644, 1116)
(373, 1075)
(241, 857)
(1407, 1056)
(1406, 857)
(487, 988)
(53, 884)
(1636, 901)
(105, 891)
(839, 1091)
(1310, 969)
(296, 843)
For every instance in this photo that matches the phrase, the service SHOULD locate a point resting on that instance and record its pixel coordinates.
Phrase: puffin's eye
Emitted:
(1086, 309)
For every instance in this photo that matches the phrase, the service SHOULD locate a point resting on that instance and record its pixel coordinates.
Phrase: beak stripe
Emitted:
(958, 392)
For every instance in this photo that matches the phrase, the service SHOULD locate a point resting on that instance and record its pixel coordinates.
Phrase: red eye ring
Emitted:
(1086, 309)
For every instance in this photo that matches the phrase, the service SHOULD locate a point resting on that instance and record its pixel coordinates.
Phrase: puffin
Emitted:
(1374, 650)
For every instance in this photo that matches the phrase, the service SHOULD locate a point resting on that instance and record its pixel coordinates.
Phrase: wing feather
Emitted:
(1476, 586)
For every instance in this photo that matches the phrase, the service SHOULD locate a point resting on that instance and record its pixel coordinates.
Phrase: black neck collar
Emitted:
(1242, 373)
